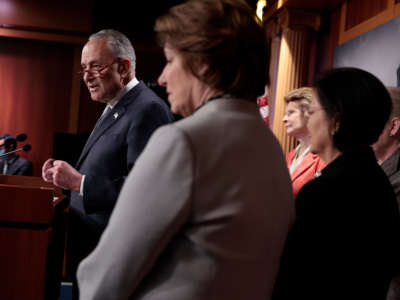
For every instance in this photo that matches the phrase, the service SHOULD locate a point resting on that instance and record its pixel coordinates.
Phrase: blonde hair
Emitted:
(301, 96)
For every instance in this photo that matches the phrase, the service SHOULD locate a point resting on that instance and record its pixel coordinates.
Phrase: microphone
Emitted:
(25, 148)
(21, 137)
(10, 140)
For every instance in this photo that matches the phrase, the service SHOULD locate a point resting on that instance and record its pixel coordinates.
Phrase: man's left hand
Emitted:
(65, 176)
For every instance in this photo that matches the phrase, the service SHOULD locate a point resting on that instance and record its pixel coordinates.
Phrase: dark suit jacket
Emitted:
(391, 166)
(107, 158)
(345, 239)
(20, 166)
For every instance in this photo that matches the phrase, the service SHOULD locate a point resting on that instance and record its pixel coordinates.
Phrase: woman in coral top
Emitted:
(301, 162)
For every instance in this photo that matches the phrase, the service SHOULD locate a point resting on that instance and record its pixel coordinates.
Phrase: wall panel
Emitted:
(40, 15)
(359, 11)
(327, 40)
(35, 88)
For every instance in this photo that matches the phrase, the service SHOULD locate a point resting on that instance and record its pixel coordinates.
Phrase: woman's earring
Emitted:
(335, 129)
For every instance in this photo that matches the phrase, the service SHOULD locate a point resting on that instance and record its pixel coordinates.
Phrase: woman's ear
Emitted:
(203, 70)
(335, 125)
(394, 126)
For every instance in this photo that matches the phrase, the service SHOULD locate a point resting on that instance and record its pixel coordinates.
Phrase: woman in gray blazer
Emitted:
(206, 209)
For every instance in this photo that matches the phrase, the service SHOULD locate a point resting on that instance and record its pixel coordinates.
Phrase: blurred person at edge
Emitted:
(12, 164)
(214, 225)
(387, 152)
(344, 243)
(302, 164)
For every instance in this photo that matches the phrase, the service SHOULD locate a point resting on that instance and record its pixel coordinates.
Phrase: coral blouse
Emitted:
(305, 171)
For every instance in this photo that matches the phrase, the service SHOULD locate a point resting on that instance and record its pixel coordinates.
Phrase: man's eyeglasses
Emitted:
(95, 69)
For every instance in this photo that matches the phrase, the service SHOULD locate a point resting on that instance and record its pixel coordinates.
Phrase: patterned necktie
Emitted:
(103, 116)
(101, 119)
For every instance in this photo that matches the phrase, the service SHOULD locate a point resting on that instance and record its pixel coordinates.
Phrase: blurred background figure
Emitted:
(205, 211)
(345, 241)
(387, 152)
(301, 162)
(387, 147)
(13, 164)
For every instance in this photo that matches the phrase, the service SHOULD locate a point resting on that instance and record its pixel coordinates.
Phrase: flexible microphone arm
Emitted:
(25, 148)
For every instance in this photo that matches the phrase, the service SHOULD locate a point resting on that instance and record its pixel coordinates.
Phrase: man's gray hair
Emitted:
(119, 44)
(395, 96)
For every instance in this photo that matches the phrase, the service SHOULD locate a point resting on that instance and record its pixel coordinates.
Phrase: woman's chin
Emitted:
(175, 110)
(313, 150)
(289, 133)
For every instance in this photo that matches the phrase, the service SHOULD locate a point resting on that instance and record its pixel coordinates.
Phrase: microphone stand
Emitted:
(24, 148)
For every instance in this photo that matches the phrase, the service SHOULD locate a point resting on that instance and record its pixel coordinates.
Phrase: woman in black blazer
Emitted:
(345, 240)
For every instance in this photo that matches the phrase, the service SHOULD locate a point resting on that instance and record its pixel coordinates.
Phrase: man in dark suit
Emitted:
(132, 113)
(387, 152)
(12, 164)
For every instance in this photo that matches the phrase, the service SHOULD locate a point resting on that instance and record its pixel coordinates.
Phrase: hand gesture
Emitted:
(61, 174)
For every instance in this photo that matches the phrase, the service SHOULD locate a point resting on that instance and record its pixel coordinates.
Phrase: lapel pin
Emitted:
(115, 115)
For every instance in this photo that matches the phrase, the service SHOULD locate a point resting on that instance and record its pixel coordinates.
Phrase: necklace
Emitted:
(298, 158)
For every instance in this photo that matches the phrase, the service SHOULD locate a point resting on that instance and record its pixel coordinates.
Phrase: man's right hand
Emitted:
(47, 175)
(61, 174)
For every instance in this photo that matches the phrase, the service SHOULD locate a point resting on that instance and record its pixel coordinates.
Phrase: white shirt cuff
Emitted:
(81, 187)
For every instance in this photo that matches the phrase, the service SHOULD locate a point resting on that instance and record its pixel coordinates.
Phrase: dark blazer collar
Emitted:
(355, 157)
(306, 163)
(131, 95)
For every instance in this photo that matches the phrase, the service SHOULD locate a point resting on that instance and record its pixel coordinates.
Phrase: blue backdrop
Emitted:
(376, 51)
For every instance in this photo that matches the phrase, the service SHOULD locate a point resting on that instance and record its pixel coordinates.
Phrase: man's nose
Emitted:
(88, 76)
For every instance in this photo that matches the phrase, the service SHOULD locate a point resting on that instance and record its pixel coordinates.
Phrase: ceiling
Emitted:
(138, 17)
(318, 5)
(136, 22)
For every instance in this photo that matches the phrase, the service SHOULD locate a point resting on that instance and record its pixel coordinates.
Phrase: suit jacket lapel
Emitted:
(303, 166)
(113, 117)
(13, 167)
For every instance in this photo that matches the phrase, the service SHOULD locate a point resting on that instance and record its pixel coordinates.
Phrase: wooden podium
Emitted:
(32, 238)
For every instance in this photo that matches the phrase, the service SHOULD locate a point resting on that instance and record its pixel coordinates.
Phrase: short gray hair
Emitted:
(119, 45)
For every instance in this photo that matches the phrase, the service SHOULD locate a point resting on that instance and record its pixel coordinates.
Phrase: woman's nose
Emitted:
(161, 80)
